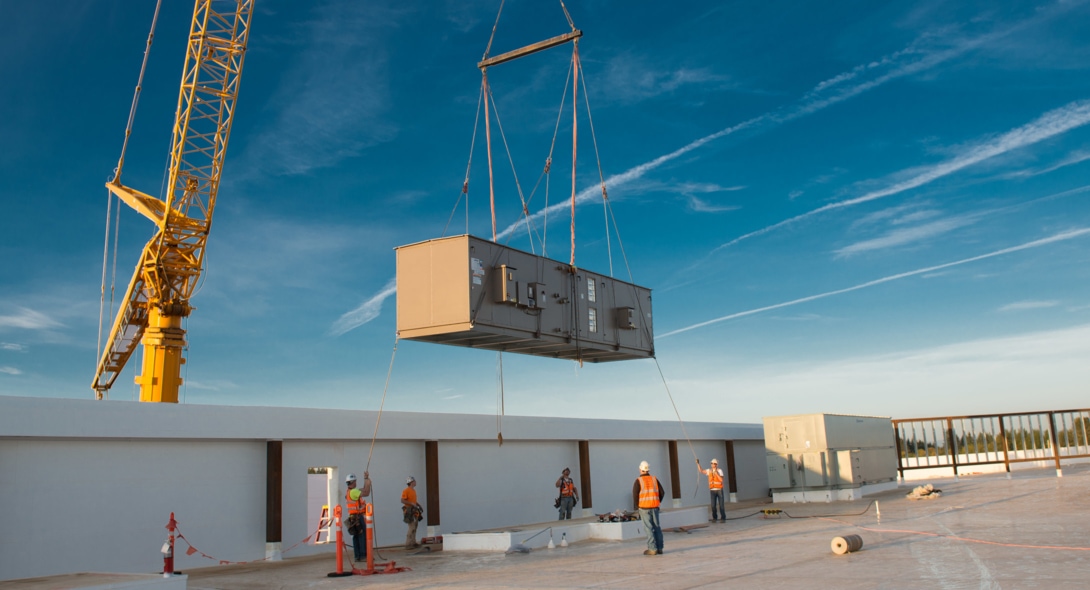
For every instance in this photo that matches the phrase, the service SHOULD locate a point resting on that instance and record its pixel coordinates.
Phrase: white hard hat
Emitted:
(351, 478)
(409, 480)
(645, 466)
(715, 462)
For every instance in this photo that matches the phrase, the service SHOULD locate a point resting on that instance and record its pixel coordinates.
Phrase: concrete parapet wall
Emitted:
(107, 475)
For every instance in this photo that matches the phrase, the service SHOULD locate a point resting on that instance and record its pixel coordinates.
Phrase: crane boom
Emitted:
(166, 276)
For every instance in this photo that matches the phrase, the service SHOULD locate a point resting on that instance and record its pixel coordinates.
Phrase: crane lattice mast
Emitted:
(166, 276)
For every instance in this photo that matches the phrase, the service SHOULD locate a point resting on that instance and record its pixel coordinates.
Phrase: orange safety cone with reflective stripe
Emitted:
(340, 573)
(390, 567)
(369, 519)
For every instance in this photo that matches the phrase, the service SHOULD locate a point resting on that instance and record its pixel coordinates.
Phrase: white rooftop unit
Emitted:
(826, 457)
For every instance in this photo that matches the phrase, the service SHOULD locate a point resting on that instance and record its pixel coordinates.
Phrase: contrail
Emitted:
(814, 100)
(1052, 123)
(367, 311)
(1068, 235)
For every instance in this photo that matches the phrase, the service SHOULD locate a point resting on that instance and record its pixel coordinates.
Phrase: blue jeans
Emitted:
(566, 504)
(358, 547)
(717, 505)
(650, 518)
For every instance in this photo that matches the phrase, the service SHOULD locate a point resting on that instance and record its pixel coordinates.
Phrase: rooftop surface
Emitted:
(983, 531)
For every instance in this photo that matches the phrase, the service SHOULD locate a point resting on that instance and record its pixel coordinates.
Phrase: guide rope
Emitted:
(378, 419)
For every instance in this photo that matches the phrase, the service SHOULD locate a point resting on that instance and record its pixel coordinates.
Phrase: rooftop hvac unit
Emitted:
(465, 291)
(829, 456)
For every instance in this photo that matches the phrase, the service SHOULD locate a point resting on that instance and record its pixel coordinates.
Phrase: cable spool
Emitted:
(847, 544)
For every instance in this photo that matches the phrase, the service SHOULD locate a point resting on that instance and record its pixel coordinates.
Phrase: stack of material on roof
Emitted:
(924, 492)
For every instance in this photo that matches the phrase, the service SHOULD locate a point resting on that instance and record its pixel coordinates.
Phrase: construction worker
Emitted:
(354, 498)
(647, 495)
(715, 487)
(568, 494)
(414, 512)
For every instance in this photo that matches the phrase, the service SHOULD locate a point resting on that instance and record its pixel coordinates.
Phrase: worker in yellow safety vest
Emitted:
(647, 495)
(715, 487)
(354, 498)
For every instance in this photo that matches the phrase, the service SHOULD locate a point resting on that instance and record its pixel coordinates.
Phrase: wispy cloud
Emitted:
(28, 319)
(10, 371)
(331, 104)
(1070, 160)
(367, 311)
(628, 79)
(1024, 305)
(1060, 237)
(701, 206)
(697, 204)
(1050, 124)
(907, 235)
(12, 347)
(911, 60)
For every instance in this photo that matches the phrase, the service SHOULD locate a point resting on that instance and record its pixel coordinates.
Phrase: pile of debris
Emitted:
(925, 492)
(618, 516)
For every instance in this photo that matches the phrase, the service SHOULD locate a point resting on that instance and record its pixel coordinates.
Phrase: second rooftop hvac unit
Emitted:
(465, 291)
(826, 457)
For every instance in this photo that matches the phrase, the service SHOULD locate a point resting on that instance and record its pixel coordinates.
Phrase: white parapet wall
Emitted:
(112, 472)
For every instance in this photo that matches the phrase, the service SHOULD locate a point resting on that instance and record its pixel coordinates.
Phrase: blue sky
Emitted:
(869, 207)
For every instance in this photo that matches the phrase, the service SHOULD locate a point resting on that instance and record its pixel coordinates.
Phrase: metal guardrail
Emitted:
(990, 439)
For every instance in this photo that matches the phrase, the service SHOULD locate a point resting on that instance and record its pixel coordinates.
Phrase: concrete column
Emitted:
(274, 496)
(431, 475)
(675, 474)
(585, 491)
(732, 478)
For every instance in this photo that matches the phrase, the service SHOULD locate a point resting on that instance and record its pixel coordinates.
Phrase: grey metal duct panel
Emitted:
(465, 291)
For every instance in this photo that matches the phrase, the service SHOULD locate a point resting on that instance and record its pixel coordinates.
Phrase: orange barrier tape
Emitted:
(191, 549)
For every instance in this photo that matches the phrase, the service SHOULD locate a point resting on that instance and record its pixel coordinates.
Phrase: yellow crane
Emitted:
(158, 296)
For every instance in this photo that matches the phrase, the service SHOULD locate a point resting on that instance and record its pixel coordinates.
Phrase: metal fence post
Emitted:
(951, 446)
(1055, 443)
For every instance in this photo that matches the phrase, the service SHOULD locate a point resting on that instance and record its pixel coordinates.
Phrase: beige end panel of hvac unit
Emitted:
(432, 289)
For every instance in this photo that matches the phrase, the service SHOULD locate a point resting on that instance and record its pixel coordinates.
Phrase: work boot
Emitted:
(650, 552)
(659, 552)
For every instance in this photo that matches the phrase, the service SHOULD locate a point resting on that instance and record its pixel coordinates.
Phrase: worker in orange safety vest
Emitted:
(715, 487)
(647, 495)
(568, 494)
(354, 499)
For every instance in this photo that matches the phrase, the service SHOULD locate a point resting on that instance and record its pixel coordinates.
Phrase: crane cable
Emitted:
(113, 278)
(514, 173)
(601, 177)
(545, 175)
(136, 93)
(574, 137)
(469, 164)
(109, 198)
